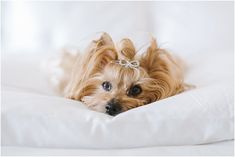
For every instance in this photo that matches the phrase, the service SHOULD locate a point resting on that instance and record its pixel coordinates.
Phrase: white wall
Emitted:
(184, 27)
(195, 27)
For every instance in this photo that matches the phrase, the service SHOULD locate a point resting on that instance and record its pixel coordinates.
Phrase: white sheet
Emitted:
(32, 117)
(215, 149)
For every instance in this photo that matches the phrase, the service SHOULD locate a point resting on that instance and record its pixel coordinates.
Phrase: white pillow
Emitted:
(202, 115)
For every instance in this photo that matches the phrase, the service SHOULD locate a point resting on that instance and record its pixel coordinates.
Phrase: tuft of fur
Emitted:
(160, 74)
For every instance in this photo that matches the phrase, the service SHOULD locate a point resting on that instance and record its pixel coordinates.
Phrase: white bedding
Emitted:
(37, 121)
(33, 116)
(215, 149)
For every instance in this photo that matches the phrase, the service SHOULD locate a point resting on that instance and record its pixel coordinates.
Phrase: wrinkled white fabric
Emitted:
(32, 117)
(200, 32)
(213, 149)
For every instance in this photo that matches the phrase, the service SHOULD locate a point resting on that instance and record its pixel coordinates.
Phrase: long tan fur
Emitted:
(160, 75)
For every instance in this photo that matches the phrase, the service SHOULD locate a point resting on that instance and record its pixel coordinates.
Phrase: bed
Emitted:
(215, 149)
(37, 121)
(35, 118)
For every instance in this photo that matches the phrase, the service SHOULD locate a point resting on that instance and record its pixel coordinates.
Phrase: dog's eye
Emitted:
(107, 86)
(134, 90)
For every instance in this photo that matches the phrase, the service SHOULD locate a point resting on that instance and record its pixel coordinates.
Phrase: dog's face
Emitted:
(107, 86)
(119, 89)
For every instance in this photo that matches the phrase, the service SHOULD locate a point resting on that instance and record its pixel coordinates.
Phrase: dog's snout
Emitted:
(113, 107)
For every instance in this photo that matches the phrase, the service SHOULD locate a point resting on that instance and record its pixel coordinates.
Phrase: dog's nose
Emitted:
(113, 107)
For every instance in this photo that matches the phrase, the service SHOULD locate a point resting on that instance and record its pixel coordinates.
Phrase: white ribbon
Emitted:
(128, 64)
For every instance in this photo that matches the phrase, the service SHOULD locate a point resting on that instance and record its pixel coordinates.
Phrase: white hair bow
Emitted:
(128, 64)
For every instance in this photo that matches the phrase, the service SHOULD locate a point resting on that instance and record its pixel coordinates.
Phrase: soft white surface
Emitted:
(215, 149)
(32, 117)
(200, 32)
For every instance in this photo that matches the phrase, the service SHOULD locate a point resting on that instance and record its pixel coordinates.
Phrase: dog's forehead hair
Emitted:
(121, 76)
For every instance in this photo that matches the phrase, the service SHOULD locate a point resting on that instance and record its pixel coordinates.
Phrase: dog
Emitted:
(112, 78)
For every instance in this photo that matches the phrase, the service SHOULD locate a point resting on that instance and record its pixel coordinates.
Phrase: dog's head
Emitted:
(113, 79)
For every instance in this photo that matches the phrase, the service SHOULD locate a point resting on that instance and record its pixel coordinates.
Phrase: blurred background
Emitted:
(184, 27)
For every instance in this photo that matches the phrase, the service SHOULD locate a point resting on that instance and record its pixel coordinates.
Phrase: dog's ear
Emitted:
(98, 54)
(149, 60)
(126, 49)
(164, 69)
(103, 40)
(156, 61)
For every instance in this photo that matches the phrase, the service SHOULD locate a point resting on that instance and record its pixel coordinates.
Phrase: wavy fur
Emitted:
(160, 75)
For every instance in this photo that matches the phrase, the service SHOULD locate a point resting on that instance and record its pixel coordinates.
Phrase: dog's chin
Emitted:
(94, 105)
(99, 108)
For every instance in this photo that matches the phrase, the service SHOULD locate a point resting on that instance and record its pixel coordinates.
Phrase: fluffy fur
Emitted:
(160, 75)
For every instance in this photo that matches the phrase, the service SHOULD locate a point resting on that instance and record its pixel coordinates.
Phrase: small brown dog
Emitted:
(113, 79)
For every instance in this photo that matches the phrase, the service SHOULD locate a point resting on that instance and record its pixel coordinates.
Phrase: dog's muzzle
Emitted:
(113, 107)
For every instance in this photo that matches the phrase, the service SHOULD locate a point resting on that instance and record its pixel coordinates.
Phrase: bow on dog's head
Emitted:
(128, 64)
(114, 79)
